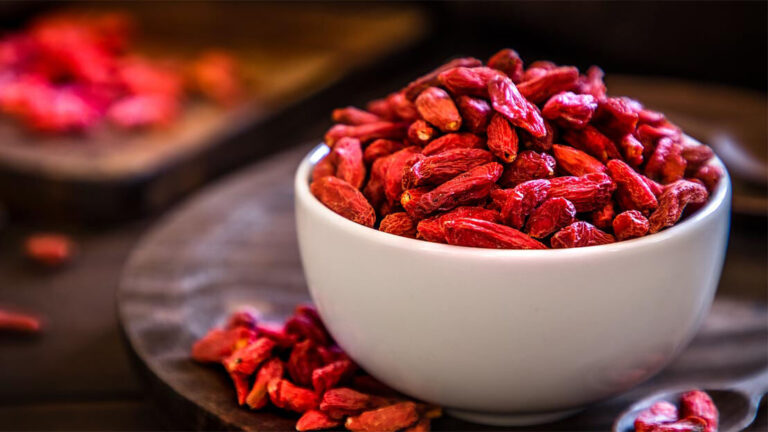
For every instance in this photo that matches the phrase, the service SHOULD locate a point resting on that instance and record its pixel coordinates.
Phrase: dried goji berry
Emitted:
(378, 149)
(26, 323)
(467, 81)
(630, 224)
(366, 132)
(420, 132)
(588, 192)
(436, 107)
(452, 141)
(697, 403)
(417, 86)
(344, 199)
(330, 375)
(576, 162)
(315, 420)
(476, 113)
(306, 324)
(374, 189)
(241, 386)
(709, 175)
(603, 217)
(484, 234)
(639, 194)
(615, 117)
(695, 154)
(464, 189)
(528, 165)
(49, 249)
(353, 116)
(348, 158)
(660, 412)
(521, 200)
(400, 162)
(591, 141)
(507, 101)
(286, 395)
(246, 359)
(502, 139)
(508, 61)
(441, 167)
(304, 359)
(402, 108)
(433, 229)
(381, 108)
(592, 83)
(388, 419)
(632, 150)
(666, 163)
(569, 109)
(672, 202)
(580, 234)
(553, 81)
(550, 216)
(271, 370)
(398, 224)
(344, 401)
(540, 144)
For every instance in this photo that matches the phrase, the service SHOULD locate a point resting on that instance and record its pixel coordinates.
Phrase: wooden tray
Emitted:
(236, 245)
(289, 54)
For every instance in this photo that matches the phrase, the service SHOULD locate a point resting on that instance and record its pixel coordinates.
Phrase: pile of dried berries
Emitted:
(501, 156)
(298, 367)
(697, 414)
(65, 73)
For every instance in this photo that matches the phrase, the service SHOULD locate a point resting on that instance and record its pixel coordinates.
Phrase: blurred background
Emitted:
(232, 83)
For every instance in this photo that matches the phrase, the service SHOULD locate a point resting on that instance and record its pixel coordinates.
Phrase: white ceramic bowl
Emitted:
(510, 337)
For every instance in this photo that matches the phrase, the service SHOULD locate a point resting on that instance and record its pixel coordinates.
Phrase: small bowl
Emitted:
(510, 337)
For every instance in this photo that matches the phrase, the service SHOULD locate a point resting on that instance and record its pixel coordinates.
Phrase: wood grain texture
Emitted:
(235, 245)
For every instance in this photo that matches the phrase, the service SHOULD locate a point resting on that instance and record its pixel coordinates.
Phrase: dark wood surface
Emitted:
(297, 56)
(235, 245)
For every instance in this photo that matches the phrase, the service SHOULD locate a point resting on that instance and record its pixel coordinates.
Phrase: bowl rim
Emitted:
(302, 192)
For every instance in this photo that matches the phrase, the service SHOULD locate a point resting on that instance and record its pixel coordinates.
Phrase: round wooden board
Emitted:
(235, 245)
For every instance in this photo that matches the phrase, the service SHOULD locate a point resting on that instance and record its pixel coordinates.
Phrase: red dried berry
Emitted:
(484, 234)
(398, 224)
(344, 199)
(502, 139)
(592, 83)
(591, 141)
(50, 250)
(476, 113)
(246, 359)
(468, 81)
(569, 109)
(421, 133)
(550, 216)
(286, 395)
(436, 107)
(588, 192)
(347, 156)
(576, 162)
(697, 403)
(453, 141)
(638, 194)
(658, 413)
(387, 419)
(366, 132)
(603, 217)
(417, 86)
(330, 375)
(441, 167)
(271, 370)
(433, 229)
(520, 201)
(672, 202)
(507, 101)
(580, 234)
(315, 420)
(353, 116)
(508, 61)
(632, 149)
(464, 189)
(529, 165)
(630, 224)
(553, 81)
(379, 149)
(615, 117)
(399, 164)
(402, 108)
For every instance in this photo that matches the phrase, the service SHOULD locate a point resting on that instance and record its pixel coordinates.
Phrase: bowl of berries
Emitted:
(511, 242)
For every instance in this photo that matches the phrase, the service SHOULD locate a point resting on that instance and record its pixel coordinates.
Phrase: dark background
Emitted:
(79, 376)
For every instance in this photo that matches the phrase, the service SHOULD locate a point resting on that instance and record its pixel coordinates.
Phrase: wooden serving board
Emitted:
(289, 53)
(235, 245)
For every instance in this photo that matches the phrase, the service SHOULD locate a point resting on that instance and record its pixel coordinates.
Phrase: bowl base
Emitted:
(500, 419)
